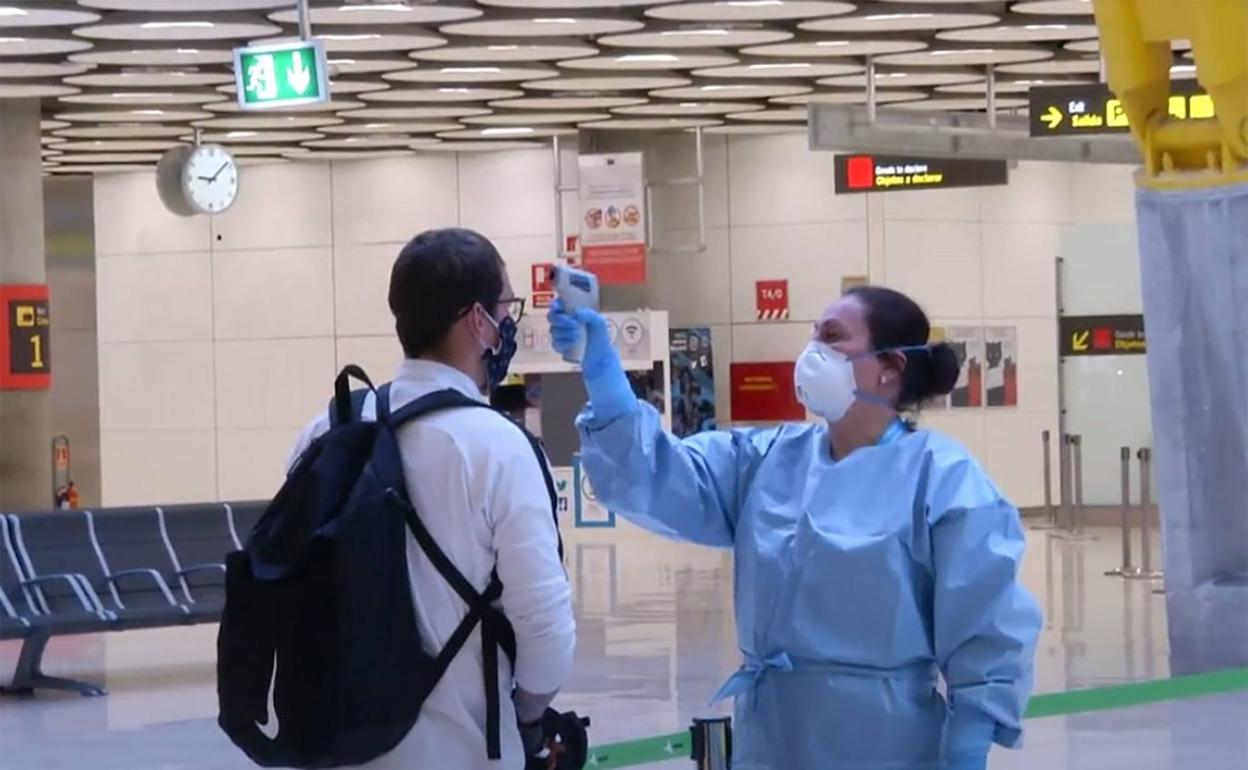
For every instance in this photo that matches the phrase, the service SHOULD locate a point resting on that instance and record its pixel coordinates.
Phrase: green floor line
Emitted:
(663, 748)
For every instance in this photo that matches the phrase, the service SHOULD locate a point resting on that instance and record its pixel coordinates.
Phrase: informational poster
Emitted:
(650, 385)
(771, 298)
(613, 228)
(693, 381)
(25, 337)
(630, 334)
(968, 343)
(1001, 365)
(763, 392)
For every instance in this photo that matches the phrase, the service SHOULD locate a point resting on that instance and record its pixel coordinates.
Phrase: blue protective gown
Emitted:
(857, 583)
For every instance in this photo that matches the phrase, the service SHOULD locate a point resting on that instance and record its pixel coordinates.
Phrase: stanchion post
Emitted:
(1127, 569)
(1050, 514)
(1146, 571)
(711, 743)
(1064, 470)
(1077, 513)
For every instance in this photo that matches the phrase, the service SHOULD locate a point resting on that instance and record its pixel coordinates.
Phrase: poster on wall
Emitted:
(771, 299)
(763, 392)
(25, 337)
(968, 343)
(649, 386)
(543, 287)
(613, 228)
(1001, 365)
(693, 381)
(629, 334)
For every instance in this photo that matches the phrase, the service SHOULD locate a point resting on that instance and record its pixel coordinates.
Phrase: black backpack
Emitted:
(320, 662)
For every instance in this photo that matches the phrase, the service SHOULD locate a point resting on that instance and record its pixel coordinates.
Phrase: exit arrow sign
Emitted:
(281, 75)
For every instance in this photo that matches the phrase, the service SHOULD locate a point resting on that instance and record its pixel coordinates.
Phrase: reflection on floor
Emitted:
(656, 639)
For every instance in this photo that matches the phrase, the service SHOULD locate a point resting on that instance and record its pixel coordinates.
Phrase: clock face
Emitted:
(210, 178)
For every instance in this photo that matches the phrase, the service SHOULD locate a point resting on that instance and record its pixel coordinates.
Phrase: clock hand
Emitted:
(224, 166)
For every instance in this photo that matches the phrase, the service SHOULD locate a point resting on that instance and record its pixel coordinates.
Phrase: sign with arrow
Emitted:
(281, 75)
(1103, 335)
(1093, 108)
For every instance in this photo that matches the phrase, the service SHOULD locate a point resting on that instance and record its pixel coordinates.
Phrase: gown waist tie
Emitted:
(745, 681)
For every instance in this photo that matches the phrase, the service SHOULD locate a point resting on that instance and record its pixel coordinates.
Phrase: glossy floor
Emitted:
(656, 639)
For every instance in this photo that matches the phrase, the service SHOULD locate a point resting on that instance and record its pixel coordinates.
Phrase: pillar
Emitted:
(25, 435)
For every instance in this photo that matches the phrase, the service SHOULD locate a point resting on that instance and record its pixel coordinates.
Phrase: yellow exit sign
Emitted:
(1093, 109)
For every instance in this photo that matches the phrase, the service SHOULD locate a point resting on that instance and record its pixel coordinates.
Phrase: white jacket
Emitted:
(475, 481)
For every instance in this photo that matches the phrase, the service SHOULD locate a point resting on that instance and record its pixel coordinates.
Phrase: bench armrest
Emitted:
(201, 568)
(82, 589)
(151, 574)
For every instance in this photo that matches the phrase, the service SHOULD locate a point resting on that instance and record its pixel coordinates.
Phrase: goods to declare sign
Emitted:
(763, 392)
(281, 75)
(613, 227)
(1103, 335)
(772, 300)
(25, 332)
(861, 173)
(1093, 109)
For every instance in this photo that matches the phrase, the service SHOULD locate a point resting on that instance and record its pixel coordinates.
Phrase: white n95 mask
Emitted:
(824, 380)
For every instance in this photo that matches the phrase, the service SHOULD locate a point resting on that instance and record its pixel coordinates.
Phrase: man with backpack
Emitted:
(492, 622)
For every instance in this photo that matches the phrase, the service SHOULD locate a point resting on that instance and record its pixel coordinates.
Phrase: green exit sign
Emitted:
(279, 75)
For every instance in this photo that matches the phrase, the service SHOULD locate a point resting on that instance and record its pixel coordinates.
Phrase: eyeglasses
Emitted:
(515, 307)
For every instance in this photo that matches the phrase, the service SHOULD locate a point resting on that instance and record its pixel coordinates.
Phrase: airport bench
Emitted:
(111, 569)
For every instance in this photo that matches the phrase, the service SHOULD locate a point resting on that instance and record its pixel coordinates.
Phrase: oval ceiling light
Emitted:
(110, 157)
(266, 121)
(304, 154)
(677, 109)
(101, 169)
(593, 84)
(163, 56)
(31, 45)
(168, 27)
(733, 91)
(899, 20)
(508, 132)
(362, 142)
(1014, 86)
(337, 87)
(569, 102)
(333, 105)
(155, 78)
(563, 5)
(381, 13)
(363, 64)
(912, 79)
(1039, 32)
(120, 131)
(247, 136)
(446, 94)
(40, 69)
(781, 69)
(790, 115)
(152, 115)
(749, 10)
(1093, 45)
(507, 51)
(414, 113)
(652, 60)
(472, 73)
(1054, 7)
(263, 150)
(534, 118)
(699, 36)
(35, 89)
(141, 98)
(652, 124)
(521, 25)
(52, 125)
(957, 104)
(1062, 66)
(27, 15)
(482, 145)
(185, 5)
(756, 128)
(115, 145)
(852, 96)
(392, 127)
(340, 40)
(967, 56)
(813, 47)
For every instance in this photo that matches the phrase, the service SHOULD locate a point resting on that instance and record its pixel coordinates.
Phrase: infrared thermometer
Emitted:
(577, 289)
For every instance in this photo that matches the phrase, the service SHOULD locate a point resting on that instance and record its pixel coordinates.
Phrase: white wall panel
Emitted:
(1037, 356)
(378, 356)
(1037, 192)
(168, 466)
(1014, 453)
(508, 193)
(148, 297)
(393, 199)
(252, 463)
(279, 206)
(813, 257)
(769, 341)
(937, 264)
(952, 205)
(1019, 269)
(1101, 193)
(273, 383)
(362, 288)
(693, 288)
(775, 179)
(156, 385)
(276, 293)
(130, 219)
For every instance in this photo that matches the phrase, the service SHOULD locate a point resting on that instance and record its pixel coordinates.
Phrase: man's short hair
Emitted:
(440, 275)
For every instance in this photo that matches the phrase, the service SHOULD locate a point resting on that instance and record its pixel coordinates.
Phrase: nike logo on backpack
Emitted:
(270, 727)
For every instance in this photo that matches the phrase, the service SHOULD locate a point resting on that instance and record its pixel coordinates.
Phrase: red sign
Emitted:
(763, 392)
(772, 300)
(543, 290)
(25, 334)
(615, 264)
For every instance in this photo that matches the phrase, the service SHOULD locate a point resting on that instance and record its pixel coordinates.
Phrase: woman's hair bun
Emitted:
(944, 370)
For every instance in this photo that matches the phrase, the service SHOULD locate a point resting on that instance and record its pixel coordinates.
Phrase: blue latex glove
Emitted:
(968, 737)
(610, 394)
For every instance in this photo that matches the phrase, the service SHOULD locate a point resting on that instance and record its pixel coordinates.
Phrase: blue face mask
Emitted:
(498, 359)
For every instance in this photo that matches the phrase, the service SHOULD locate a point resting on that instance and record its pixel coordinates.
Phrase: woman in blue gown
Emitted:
(872, 561)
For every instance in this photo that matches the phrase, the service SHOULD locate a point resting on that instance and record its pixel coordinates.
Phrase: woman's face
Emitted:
(843, 327)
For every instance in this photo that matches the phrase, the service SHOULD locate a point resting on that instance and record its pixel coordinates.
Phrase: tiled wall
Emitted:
(219, 337)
